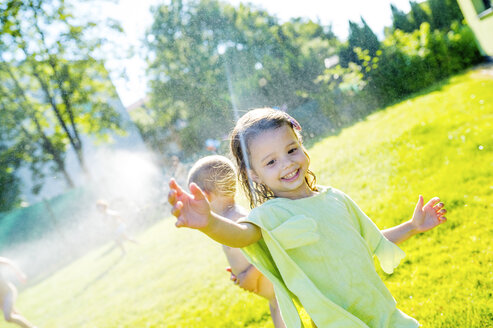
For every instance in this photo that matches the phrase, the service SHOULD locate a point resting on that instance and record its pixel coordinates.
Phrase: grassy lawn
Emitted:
(436, 144)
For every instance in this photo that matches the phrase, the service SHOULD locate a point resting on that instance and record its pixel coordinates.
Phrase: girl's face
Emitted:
(279, 162)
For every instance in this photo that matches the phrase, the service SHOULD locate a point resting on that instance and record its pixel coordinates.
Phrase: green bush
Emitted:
(405, 63)
(410, 62)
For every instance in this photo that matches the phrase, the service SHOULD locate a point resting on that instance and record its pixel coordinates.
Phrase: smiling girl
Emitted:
(312, 242)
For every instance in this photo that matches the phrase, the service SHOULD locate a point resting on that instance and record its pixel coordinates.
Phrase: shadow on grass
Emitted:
(100, 276)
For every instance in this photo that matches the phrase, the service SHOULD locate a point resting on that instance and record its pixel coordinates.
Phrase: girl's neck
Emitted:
(303, 192)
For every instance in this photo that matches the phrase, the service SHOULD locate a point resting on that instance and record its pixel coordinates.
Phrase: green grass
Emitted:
(440, 143)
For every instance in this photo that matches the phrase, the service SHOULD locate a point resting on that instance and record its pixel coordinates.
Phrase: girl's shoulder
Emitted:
(322, 192)
(275, 211)
(331, 191)
(325, 193)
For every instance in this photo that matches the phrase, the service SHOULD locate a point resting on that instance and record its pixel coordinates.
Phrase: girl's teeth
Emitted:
(289, 176)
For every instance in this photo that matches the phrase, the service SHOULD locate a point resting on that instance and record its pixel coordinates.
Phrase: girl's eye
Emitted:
(271, 162)
(292, 150)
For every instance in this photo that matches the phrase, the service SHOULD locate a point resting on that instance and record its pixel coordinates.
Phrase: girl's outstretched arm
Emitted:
(192, 210)
(424, 218)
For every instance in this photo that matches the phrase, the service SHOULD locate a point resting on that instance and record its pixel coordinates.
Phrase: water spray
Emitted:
(243, 145)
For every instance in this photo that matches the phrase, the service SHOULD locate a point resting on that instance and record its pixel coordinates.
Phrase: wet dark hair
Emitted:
(250, 125)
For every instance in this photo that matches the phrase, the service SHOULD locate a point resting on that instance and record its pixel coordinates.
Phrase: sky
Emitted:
(135, 17)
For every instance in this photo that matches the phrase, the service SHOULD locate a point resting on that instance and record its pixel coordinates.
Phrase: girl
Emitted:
(313, 243)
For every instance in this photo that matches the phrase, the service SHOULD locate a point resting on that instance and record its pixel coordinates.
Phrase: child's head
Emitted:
(214, 174)
(274, 155)
(102, 205)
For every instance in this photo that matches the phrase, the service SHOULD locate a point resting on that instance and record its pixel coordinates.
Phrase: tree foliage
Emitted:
(418, 15)
(440, 14)
(360, 36)
(444, 12)
(53, 89)
(410, 62)
(400, 20)
(208, 57)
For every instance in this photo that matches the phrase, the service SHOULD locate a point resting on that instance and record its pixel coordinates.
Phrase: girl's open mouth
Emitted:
(291, 176)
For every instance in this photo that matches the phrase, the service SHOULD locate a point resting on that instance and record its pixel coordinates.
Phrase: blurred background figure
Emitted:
(8, 293)
(178, 169)
(212, 145)
(117, 224)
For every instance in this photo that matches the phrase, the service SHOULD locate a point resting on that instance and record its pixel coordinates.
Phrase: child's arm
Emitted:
(236, 259)
(424, 218)
(21, 275)
(193, 211)
(248, 279)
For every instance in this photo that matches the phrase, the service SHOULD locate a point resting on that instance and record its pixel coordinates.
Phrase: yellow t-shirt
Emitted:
(319, 251)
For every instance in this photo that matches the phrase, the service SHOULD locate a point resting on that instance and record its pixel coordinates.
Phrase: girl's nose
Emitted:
(286, 163)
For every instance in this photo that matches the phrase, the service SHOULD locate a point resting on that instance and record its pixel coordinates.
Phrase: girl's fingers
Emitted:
(172, 197)
(439, 206)
(432, 202)
(174, 186)
(197, 193)
(176, 210)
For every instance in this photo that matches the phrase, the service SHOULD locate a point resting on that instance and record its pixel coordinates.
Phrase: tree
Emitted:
(208, 57)
(360, 36)
(9, 163)
(25, 124)
(418, 15)
(444, 12)
(187, 75)
(400, 20)
(52, 87)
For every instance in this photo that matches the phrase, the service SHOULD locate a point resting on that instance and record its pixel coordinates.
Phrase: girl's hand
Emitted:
(248, 279)
(192, 210)
(428, 216)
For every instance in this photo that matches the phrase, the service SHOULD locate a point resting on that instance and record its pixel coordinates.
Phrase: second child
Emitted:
(216, 176)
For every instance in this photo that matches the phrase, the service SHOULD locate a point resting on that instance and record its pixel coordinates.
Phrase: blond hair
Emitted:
(214, 174)
(250, 125)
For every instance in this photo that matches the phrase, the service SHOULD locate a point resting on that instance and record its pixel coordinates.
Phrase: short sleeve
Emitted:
(388, 253)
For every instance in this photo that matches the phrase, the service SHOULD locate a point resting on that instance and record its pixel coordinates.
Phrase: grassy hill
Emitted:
(438, 143)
